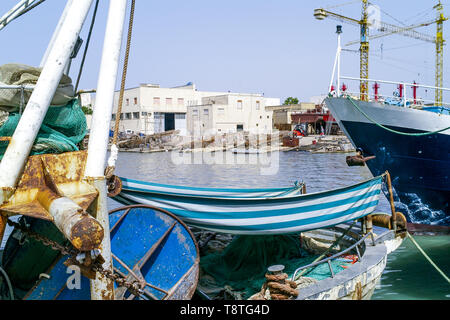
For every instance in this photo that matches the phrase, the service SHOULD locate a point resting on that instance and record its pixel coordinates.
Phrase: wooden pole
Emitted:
(391, 201)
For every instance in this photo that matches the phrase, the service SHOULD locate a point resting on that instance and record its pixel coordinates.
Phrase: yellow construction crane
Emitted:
(388, 29)
(321, 14)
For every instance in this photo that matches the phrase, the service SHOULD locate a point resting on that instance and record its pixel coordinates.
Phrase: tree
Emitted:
(86, 110)
(290, 100)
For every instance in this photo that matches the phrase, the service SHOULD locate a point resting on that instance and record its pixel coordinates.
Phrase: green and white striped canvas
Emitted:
(262, 215)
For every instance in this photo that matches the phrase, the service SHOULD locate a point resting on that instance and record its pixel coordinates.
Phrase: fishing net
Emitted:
(64, 125)
(22, 75)
(62, 129)
(240, 267)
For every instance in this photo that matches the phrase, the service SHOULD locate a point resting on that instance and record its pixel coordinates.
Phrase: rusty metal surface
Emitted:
(114, 186)
(47, 180)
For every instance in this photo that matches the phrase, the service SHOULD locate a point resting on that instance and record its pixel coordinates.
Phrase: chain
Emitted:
(65, 250)
(134, 287)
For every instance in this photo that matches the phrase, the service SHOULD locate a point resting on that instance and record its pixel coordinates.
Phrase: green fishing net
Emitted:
(241, 266)
(62, 129)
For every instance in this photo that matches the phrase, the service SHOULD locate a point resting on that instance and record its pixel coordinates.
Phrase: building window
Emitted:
(180, 101)
(144, 114)
(113, 116)
(239, 104)
(135, 115)
(168, 101)
(257, 105)
(180, 116)
(135, 100)
(156, 101)
(121, 116)
(240, 127)
(127, 102)
(195, 112)
(206, 112)
(128, 116)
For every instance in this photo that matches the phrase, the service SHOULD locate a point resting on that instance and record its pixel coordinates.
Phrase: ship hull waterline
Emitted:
(419, 165)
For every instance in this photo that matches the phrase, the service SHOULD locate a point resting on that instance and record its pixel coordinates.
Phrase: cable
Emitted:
(87, 45)
(8, 282)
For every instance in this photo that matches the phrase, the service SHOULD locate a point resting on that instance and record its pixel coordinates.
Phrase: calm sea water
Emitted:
(407, 275)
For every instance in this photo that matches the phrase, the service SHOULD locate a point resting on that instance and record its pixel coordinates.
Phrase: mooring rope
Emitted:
(427, 257)
(392, 130)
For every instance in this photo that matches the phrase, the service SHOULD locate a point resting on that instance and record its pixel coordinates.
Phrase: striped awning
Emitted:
(274, 215)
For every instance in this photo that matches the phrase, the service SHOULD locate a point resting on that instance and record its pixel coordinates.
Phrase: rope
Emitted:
(391, 130)
(87, 45)
(5, 275)
(428, 258)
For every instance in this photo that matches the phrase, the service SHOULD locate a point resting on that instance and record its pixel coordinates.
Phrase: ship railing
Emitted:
(355, 246)
(404, 99)
(410, 103)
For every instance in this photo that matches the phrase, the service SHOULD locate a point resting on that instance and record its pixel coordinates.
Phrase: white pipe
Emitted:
(28, 127)
(338, 65)
(102, 288)
(334, 70)
(101, 117)
(56, 33)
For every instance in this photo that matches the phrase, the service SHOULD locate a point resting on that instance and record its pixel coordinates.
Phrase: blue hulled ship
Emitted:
(413, 144)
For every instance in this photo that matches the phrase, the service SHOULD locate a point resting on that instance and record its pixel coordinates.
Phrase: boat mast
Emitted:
(102, 288)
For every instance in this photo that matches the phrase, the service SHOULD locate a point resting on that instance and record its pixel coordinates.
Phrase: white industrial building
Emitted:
(230, 112)
(151, 109)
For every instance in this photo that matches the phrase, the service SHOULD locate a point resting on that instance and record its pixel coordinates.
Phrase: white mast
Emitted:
(102, 288)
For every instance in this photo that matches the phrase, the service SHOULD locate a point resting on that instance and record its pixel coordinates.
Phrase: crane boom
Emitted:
(387, 29)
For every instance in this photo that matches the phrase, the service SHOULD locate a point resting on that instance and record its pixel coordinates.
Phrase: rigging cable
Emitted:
(87, 45)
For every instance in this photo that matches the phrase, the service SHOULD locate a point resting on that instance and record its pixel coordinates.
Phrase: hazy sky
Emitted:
(275, 47)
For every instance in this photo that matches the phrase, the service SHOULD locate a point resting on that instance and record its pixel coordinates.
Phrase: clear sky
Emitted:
(275, 47)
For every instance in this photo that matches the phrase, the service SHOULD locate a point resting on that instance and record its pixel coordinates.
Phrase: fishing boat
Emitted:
(59, 194)
(54, 195)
